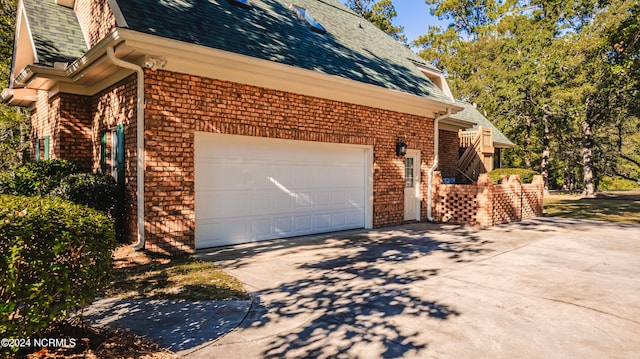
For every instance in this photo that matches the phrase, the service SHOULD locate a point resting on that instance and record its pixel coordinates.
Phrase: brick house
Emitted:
(229, 121)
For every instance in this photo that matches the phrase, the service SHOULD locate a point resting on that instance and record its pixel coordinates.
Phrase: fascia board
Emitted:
(207, 62)
(213, 63)
(457, 124)
(23, 42)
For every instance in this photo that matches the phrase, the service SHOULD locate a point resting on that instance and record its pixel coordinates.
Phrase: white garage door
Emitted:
(252, 188)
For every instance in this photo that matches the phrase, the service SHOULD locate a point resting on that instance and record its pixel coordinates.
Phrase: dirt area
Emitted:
(94, 343)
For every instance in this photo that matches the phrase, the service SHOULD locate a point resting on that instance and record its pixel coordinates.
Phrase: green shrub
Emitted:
(526, 176)
(616, 183)
(98, 191)
(7, 182)
(60, 178)
(55, 257)
(39, 178)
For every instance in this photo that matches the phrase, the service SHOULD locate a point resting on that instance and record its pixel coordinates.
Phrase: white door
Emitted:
(252, 188)
(412, 185)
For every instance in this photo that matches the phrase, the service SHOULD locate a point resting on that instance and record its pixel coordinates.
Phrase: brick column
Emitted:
(516, 188)
(485, 201)
(539, 183)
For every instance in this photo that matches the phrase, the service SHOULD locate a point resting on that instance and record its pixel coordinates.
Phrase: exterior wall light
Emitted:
(401, 148)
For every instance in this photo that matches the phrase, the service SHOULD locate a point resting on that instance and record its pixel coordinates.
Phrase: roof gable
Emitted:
(352, 48)
(55, 32)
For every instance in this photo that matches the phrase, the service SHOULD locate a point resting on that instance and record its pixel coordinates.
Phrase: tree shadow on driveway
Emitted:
(356, 297)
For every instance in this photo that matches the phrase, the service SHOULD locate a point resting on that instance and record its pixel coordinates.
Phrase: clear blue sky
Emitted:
(415, 17)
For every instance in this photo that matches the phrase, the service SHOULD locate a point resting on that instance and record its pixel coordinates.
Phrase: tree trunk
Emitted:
(587, 152)
(526, 145)
(544, 163)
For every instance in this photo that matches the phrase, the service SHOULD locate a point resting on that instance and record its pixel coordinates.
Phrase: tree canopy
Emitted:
(559, 78)
(380, 13)
(14, 126)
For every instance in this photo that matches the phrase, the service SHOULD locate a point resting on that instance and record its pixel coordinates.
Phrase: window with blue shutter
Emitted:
(42, 148)
(112, 153)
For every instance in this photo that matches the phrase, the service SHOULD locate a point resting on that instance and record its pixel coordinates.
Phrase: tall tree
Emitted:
(14, 125)
(380, 13)
(544, 71)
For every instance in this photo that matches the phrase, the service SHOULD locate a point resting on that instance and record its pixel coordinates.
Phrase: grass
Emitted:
(613, 206)
(143, 275)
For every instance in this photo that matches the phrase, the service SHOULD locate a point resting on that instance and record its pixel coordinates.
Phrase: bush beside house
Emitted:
(55, 255)
(55, 251)
(62, 179)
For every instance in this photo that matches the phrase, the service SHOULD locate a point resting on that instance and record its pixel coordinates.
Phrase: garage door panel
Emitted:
(216, 204)
(250, 188)
(302, 224)
(283, 226)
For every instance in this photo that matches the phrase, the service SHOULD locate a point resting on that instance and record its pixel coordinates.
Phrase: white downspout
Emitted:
(139, 140)
(436, 143)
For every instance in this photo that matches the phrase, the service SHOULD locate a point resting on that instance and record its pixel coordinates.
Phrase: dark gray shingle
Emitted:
(56, 32)
(352, 48)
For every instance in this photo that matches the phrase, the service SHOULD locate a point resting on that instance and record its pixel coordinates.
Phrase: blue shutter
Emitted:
(120, 153)
(46, 147)
(37, 150)
(103, 153)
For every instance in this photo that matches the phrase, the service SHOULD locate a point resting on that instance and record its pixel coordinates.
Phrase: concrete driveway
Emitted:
(544, 288)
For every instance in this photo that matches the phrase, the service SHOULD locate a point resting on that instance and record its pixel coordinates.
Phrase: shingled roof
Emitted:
(351, 48)
(471, 114)
(56, 32)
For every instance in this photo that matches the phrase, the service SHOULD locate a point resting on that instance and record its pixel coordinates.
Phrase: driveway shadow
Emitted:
(176, 324)
(356, 295)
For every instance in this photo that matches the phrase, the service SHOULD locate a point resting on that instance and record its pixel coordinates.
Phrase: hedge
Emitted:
(55, 256)
(526, 176)
(98, 191)
(39, 178)
(60, 178)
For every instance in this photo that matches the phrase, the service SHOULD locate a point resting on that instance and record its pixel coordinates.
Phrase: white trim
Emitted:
(437, 77)
(117, 13)
(417, 179)
(203, 61)
(436, 144)
(368, 219)
(140, 153)
(213, 63)
(22, 30)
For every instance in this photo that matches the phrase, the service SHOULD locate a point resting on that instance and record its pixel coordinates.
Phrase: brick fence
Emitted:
(485, 204)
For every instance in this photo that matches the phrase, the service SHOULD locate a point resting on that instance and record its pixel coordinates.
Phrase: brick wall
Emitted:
(75, 123)
(46, 120)
(448, 147)
(113, 106)
(179, 104)
(96, 19)
(485, 204)
(73, 137)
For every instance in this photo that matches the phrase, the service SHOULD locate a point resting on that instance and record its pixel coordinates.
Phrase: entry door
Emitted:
(412, 185)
